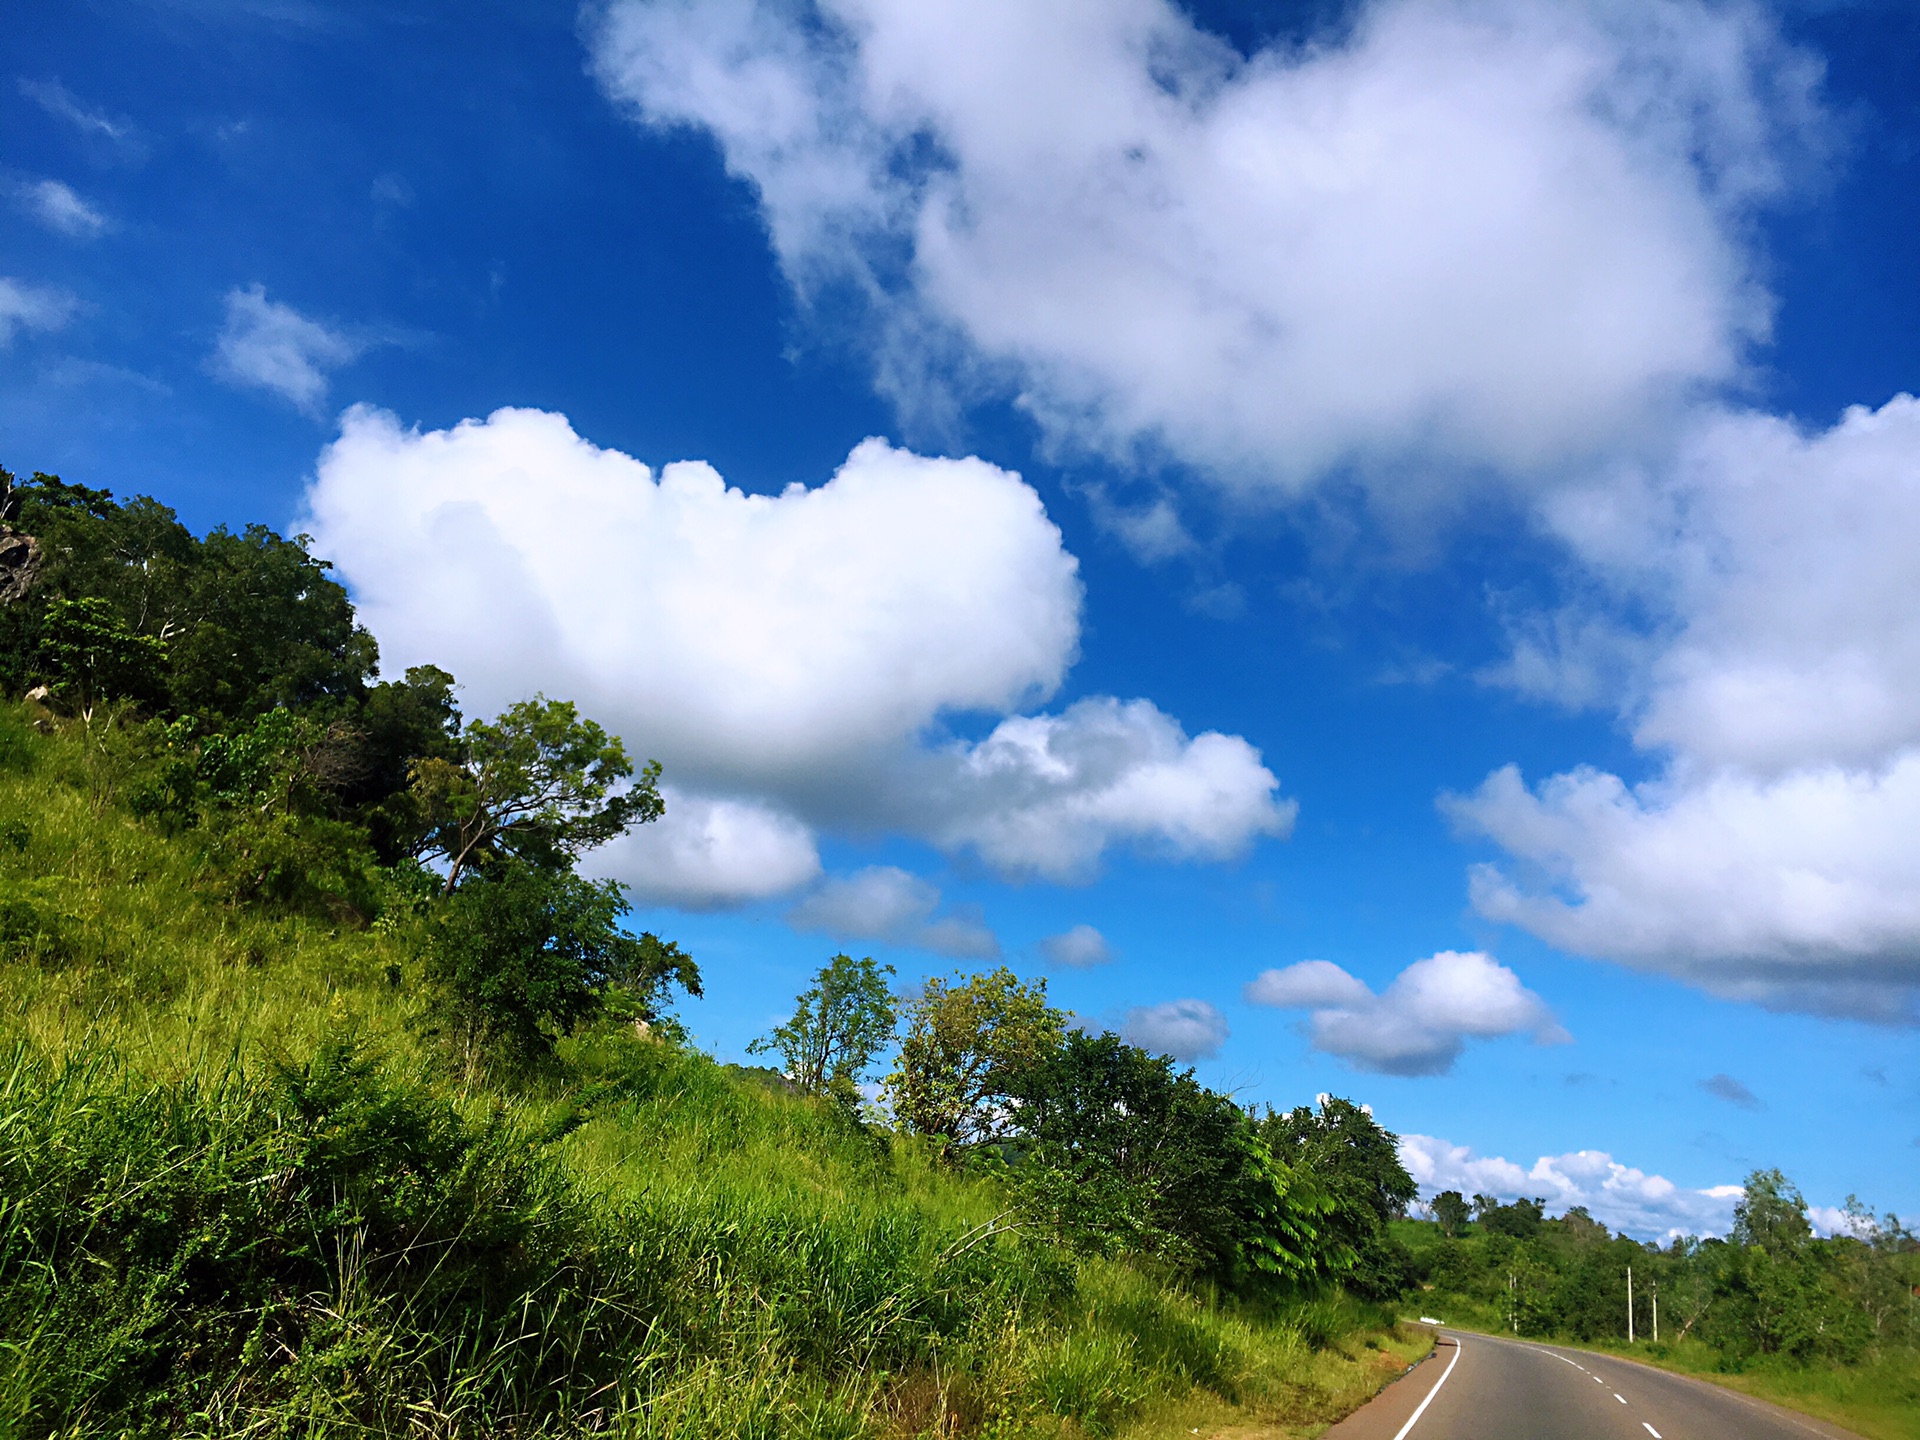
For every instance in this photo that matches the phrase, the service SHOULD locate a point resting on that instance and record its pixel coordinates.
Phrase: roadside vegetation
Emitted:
(334, 1099)
(1828, 1326)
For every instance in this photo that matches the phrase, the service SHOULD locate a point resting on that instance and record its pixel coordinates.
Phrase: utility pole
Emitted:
(1513, 1301)
(1656, 1312)
(1629, 1304)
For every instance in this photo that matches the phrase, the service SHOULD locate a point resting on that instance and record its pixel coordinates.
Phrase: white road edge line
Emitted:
(1422, 1408)
(1650, 1430)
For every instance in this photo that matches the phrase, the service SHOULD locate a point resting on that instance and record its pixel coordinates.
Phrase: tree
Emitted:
(1450, 1210)
(89, 655)
(1356, 1163)
(1118, 1151)
(524, 954)
(402, 723)
(1772, 1214)
(539, 784)
(838, 1026)
(1520, 1220)
(965, 1042)
(250, 622)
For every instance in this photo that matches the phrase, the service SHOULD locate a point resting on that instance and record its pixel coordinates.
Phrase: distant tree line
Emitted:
(1768, 1288)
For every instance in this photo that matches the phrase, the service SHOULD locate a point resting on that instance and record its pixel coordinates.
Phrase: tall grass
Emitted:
(244, 1190)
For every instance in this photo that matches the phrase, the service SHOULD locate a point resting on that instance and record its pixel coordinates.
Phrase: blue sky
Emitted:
(1295, 416)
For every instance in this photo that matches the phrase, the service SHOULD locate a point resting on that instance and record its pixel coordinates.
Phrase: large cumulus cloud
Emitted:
(1775, 682)
(1488, 232)
(791, 659)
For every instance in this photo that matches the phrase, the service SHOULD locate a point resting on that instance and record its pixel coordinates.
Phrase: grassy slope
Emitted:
(653, 1243)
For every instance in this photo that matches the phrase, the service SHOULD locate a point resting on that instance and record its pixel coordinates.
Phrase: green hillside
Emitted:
(336, 1101)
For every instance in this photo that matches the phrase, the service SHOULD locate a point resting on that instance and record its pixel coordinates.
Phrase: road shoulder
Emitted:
(1383, 1417)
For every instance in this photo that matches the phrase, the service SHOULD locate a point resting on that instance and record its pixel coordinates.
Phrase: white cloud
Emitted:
(707, 853)
(1771, 856)
(1421, 1022)
(1048, 794)
(886, 903)
(25, 306)
(270, 346)
(58, 207)
(1309, 985)
(1619, 1196)
(800, 651)
(1489, 231)
(1080, 948)
(96, 125)
(1185, 1029)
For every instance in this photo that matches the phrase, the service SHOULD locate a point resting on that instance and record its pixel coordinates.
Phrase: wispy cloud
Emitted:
(269, 346)
(114, 132)
(1725, 1087)
(25, 306)
(58, 206)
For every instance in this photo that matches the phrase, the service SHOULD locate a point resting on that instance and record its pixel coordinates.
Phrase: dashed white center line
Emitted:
(1650, 1430)
(1622, 1399)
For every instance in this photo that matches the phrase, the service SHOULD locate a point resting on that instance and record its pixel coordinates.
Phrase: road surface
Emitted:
(1478, 1387)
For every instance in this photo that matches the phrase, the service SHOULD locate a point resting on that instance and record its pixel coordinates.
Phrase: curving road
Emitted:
(1481, 1387)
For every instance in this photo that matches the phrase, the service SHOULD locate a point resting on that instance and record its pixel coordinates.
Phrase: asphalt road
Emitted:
(1476, 1387)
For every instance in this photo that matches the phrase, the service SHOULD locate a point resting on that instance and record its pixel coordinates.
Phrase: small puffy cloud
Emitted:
(266, 345)
(885, 903)
(708, 853)
(1048, 794)
(1739, 593)
(58, 207)
(1725, 1087)
(1080, 948)
(25, 306)
(1486, 231)
(1185, 1029)
(1650, 1207)
(1310, 985)
(798, 651)
(1421, 1022)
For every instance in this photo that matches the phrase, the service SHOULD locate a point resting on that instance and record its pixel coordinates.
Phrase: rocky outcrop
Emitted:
(19, 564)
(19, 554)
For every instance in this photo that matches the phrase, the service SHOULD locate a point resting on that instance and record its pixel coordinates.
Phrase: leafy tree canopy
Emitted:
(525, 954)
(1356, 1163)
(965, 1041)
(1450, 1211)
(249, 621)
(1772, 1214)
(540, 785)
(839, 1025)
(1121, 1152)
